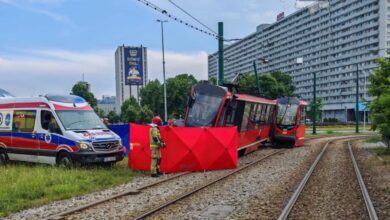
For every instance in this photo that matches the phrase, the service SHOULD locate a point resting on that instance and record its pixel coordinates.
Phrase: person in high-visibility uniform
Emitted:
(155, 144)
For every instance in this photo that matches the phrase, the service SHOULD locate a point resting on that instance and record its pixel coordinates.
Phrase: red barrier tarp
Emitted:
(139, 155)
(187, 149)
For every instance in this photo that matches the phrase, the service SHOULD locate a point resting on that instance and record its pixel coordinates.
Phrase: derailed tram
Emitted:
(289, 126)
(215, 106)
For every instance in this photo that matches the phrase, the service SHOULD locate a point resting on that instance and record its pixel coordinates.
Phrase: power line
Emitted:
(166, 13)
(175, 18)
(197, 20)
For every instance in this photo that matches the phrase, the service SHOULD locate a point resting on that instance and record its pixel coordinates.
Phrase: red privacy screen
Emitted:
(187, 149)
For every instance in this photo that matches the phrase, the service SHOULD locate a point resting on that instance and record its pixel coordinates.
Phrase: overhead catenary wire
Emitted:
(181, 21)
(187, 13)
(169, 15)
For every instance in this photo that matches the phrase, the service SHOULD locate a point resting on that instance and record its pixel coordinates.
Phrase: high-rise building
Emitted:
(131, 73)
(335, 43)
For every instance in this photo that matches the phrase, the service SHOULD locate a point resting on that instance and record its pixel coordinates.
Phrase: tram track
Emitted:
(332, 188)
(75, 212)
(203, 186)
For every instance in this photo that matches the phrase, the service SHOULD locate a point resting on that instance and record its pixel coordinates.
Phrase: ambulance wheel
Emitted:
(64, 160)
(3, 157)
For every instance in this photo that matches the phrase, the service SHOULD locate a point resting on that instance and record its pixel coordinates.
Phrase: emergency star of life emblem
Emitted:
(47, 138)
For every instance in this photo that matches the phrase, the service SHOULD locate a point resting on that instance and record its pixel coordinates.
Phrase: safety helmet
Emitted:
(156, 120)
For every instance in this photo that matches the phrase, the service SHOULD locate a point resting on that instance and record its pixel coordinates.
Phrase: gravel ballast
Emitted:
(332, 191)
(259, 192)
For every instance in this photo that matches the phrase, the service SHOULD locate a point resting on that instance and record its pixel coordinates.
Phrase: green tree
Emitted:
(178, 89)
(319, 105)
(152, 96)
(213, 80)
(99, 112)
(380, 107)
(81, 90)
(272, 85)
(285, 82)
(113, 117)
(144, 115)
(131, 111)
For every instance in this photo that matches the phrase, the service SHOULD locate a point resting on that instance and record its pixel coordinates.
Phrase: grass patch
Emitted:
(374, 139)
(329, 132)
(26, 185)
(382, 151)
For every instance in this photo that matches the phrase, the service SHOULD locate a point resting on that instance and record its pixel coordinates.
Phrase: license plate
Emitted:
(108, 159)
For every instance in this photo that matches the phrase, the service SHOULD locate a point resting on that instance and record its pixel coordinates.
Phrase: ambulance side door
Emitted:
(48, 139)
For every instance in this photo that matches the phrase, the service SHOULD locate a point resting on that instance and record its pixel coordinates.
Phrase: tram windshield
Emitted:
(287, 114)
(205, 103)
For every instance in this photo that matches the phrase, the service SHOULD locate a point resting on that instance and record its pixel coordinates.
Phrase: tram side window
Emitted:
(303, 115)
(245, 118)
(258, 114)
(24, 121)
(271, 115)
(264, 114)
(230, 115)
(252, 117)
(267, 114)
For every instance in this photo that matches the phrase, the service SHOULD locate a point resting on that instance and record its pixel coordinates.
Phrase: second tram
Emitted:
(289, 125)
(215, 106)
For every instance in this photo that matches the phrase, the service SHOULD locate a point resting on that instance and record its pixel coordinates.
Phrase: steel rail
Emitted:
(158, 208)
(137, 190)
(366, 196)
(287, 209)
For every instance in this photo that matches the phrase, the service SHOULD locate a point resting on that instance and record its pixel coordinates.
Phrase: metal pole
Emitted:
(357, 100)
(220, 53)
(314, 110)
(364, 96)
(256, 76)
(165, 84)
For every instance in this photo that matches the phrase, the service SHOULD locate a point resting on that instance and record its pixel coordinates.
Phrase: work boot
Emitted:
(154, 175)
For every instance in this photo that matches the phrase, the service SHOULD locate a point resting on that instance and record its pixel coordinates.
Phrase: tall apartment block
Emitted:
(335, 42)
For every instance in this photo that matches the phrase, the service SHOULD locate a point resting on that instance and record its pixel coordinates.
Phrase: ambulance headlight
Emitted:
(84, 146)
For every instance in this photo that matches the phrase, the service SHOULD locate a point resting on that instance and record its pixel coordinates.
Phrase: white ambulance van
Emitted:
(55, 129)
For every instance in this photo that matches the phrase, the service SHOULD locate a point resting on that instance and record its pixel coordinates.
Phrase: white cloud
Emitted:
(36, 72)
(30, 7)
(177, 63)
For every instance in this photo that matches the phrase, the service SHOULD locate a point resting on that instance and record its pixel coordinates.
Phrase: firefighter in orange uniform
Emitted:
(155, 144)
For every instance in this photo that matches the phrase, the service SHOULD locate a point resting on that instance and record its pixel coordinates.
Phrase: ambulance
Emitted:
(55, 129)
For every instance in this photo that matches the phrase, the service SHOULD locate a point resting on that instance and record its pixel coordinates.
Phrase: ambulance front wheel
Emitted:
(64, 160)
(3, 157)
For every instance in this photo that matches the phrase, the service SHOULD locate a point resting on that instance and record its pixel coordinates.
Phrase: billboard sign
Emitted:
(133, 65)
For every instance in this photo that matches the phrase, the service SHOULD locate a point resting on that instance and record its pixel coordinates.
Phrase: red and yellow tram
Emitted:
(289, 124)
(215, 106)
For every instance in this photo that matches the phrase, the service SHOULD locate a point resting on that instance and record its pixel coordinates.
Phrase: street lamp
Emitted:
(264, 61)
(163, 56)
(357, 100)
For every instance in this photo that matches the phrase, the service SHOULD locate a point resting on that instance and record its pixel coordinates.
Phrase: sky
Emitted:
(47, 45)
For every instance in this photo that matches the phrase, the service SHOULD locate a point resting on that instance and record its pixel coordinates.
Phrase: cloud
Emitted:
(36, 72)
(29, 7)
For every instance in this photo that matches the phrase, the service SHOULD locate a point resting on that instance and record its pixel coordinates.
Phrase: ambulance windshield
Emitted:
(80, 120)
